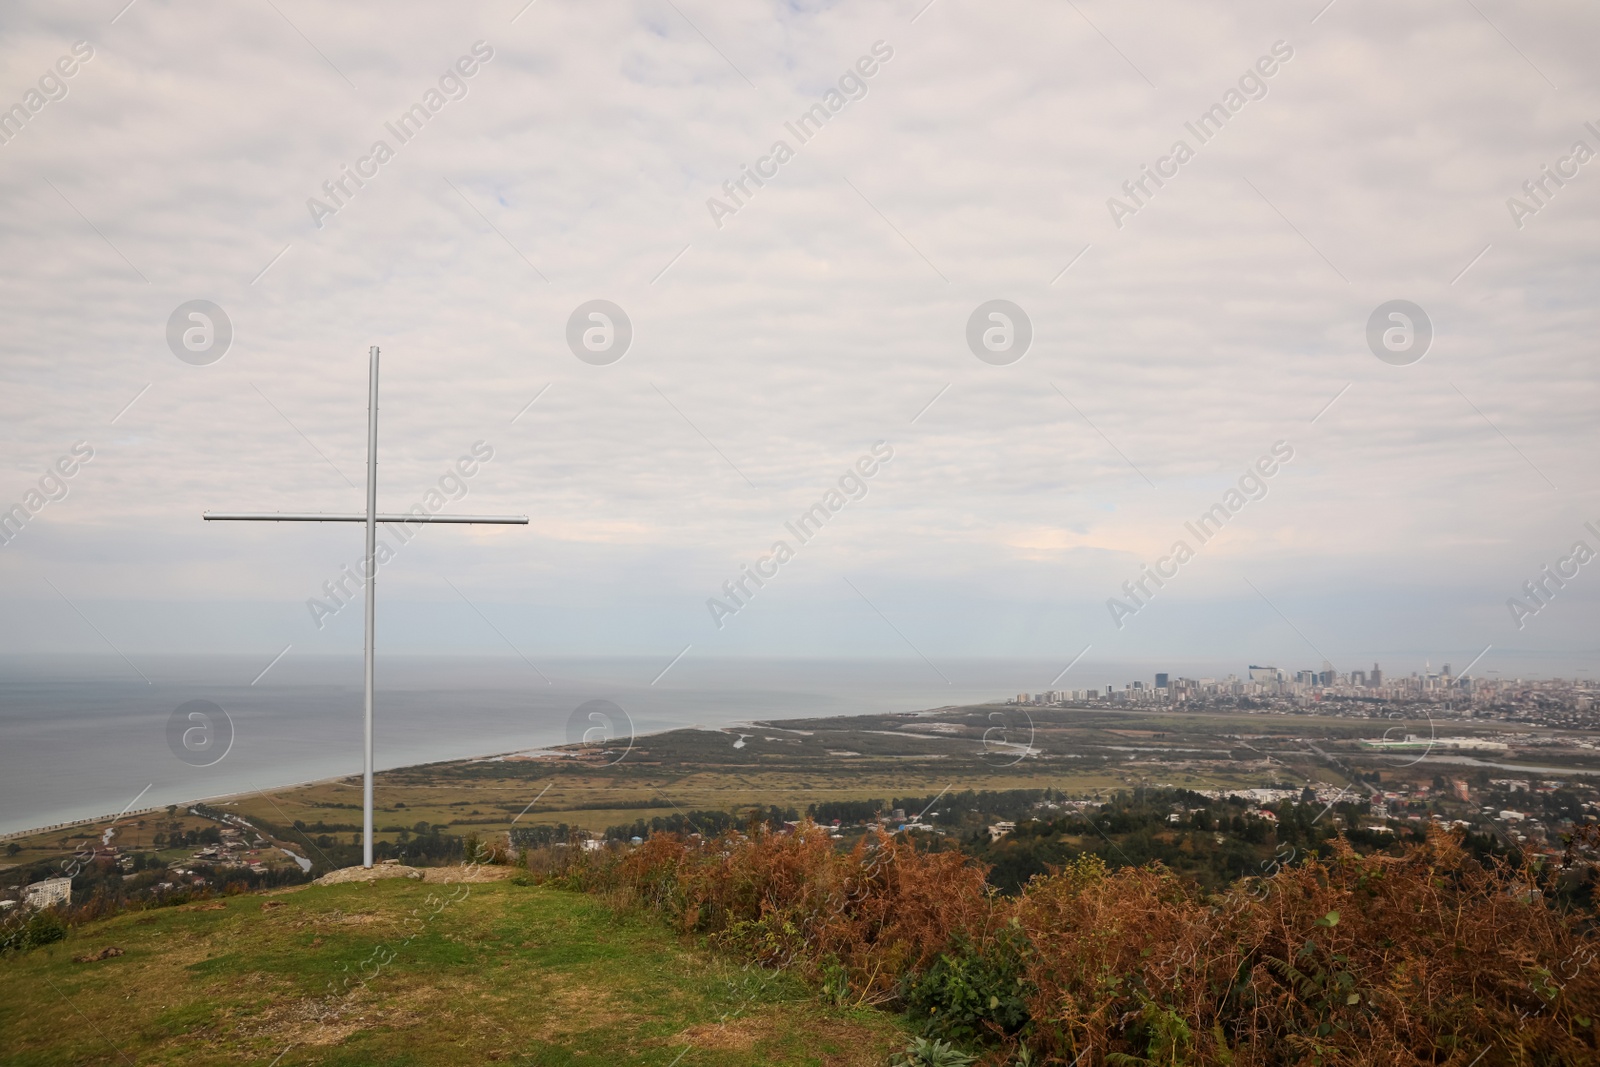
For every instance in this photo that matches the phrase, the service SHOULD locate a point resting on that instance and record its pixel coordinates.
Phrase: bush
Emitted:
(973, 992)
(42, 928)
(1424, 959)
(868, 916)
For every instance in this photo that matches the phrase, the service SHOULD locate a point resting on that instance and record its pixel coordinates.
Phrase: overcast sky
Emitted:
(773, 343)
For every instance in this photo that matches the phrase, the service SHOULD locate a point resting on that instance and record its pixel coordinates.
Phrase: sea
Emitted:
(83, 737)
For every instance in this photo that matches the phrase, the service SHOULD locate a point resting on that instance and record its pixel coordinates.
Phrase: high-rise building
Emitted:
(1161, 681)
(1376, 677)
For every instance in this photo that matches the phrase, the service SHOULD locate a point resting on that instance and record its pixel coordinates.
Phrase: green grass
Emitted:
(369, 974)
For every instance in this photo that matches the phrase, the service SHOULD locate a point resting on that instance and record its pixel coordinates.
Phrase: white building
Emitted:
(48, 893)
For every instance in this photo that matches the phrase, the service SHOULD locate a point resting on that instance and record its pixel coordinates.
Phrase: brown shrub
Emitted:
(1429, 958)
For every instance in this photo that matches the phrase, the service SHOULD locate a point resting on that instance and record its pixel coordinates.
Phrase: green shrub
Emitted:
(971, 993)
(42, 928)
(923, 1052)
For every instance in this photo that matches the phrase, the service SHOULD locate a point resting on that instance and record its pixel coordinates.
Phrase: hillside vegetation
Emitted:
(1431, 957)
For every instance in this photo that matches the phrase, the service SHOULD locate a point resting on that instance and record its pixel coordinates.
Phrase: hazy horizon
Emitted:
(1179, 331)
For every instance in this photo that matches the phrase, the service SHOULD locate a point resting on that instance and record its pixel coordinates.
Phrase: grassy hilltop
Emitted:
(383, 973)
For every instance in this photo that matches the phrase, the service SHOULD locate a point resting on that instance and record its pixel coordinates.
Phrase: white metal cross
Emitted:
(371, 518)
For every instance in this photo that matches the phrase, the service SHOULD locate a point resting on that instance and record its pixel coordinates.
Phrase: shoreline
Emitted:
(95, 820)
(734, 727)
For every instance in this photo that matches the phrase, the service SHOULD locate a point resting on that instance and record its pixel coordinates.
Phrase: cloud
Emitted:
(825, 315)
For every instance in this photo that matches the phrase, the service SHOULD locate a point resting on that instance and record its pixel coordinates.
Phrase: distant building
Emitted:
(1161, 681)
(1265, 674)
(1413, 743)
(48, 893)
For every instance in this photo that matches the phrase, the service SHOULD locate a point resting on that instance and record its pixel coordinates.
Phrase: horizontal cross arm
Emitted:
(318, 516)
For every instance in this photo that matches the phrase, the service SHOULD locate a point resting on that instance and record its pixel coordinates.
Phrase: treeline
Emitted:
(948, 809)
(706, 823)
(209, 835)
(972, 807)
(1214, 841)
(543, 835)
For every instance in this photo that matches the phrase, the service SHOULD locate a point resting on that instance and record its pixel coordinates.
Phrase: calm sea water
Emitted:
(86, 736)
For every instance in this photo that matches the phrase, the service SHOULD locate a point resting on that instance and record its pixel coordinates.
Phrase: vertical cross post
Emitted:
(371, 604)
(370, 574)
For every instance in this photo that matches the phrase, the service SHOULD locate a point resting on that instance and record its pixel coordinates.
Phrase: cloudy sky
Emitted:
(1174, 340)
